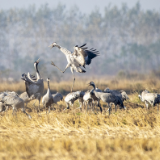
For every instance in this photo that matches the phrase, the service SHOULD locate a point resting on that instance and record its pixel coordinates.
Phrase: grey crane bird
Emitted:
(91, 99)
(47, 99)
(150, 98)
(12, 99)
(87, 100)
(34, 87)
(78, 59)
(107, 97)
(57, 97)
(122, 94)
(71, 97)
(26, 98)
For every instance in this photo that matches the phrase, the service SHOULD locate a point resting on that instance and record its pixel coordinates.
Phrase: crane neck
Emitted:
(93, 85)
(63, 50)
(97, 94)
(48, 91)
(48, 85)
(37, 72)
(58, 46)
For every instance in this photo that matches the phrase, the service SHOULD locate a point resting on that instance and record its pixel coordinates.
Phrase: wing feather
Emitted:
(83, 55)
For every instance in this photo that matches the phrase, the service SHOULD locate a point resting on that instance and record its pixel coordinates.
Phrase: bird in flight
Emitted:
(78, 59)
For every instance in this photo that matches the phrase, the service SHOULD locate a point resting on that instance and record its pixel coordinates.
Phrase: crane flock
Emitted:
(77, 62)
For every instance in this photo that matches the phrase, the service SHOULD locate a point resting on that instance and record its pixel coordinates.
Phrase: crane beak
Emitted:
(51, 46)
(38, 60)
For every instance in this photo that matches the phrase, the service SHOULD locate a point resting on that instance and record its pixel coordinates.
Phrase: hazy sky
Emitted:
(84, 5)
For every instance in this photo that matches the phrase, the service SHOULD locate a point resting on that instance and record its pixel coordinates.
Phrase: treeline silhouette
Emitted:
(127, 38)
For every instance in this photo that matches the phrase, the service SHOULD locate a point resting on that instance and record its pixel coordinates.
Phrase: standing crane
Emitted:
(13, 99)
(106, 97)
(150, 98)
(34, 87)
(122, 94)
(47, 99)
(71, 97)
(78, 59)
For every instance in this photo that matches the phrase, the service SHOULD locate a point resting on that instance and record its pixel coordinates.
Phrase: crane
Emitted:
(34, 87)
(78, 59)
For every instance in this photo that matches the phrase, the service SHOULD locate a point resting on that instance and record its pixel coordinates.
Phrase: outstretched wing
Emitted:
(83, 55)
(32, 87)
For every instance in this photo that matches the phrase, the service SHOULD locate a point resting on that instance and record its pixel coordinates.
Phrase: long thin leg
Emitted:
(49, 110)
(13, 111)
(6, 108)
(73, 82)
(45, 108)
(23, 110)
(93, 107)
(115, 108)
(39, 104)
(99, 105)
(146, 104)
(109, 109)
(88, 103)
(85, 106)
(68, 65)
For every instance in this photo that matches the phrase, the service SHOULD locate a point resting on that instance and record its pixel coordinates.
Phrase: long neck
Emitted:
(93, 85)
(64, 50)
(95, 93)
(37, 72)
(58, 46)
(48, 91)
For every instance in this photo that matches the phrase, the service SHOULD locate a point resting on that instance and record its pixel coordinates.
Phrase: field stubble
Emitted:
(130, 134)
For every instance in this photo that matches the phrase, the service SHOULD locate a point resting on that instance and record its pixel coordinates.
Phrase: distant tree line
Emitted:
(127, 38)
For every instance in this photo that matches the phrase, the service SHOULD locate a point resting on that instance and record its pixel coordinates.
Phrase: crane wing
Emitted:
(32, 87)
(83, 55)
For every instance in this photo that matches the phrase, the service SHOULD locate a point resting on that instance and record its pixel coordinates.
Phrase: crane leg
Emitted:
(49, 110)
(39, 105)
(46, 109)
(13, 111)
(115, 108)
(93, 107)
(109, 108)
(68, 65)
(6, 108)
(99, 105)
(146, 104)
(73, 84)
(23, 110)
(88, 103)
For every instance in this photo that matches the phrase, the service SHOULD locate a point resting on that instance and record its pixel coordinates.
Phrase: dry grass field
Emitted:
(130, 134)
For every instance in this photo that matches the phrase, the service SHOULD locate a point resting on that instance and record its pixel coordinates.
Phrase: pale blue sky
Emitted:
(85, 5)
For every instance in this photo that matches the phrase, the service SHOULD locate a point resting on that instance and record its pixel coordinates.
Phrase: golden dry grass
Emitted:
(130, 134)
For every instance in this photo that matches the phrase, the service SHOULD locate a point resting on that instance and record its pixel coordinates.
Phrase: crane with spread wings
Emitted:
(78, 59)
